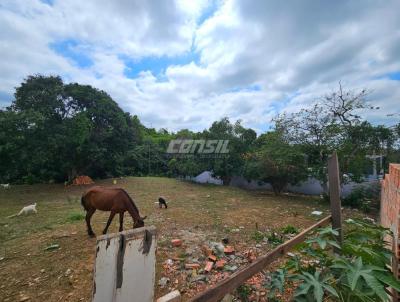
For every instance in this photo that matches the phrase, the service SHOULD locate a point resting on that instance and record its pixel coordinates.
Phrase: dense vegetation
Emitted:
(358, 271)
(54, 131)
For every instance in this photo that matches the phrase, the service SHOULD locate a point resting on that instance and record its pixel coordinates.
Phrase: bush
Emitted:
(275, 239)
(289, 229)
(360, 272)
(363, 198)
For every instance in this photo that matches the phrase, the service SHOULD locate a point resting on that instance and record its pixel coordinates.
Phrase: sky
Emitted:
(186, 63)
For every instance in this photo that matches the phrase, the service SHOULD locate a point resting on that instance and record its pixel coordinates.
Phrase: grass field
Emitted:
(27, 270)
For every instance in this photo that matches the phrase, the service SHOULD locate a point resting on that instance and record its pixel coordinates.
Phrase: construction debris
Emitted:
(163, 281)
(206, 250)
(202, 263)
(174, 296)
(176, 242)
(82, 180)
(229, 250)
(192, 266)
(212, 258)
(220, 264)
(209, 266)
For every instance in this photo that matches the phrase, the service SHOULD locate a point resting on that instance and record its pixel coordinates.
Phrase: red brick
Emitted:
(212, 258)
(220, 264)
(192, 266)
(176, 242)
(229, 250)
(206, 250)
(209, 266)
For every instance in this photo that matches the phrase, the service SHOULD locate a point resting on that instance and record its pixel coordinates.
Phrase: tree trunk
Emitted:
(72, 173)
(278, 187)
(226, 180)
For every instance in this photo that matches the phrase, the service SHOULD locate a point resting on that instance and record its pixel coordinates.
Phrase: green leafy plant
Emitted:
(362, 280)
(258, 236)
(274, 238)
(325, 238)
(363, 198)
(289, 229)
(277, 284)
(313, 287)
(244, 292)
(358, 273)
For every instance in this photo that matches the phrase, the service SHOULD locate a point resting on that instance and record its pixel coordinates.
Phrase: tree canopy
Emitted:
(54, 131)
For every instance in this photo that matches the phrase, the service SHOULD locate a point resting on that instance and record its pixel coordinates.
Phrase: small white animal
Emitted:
(5, 186)
(26, 210)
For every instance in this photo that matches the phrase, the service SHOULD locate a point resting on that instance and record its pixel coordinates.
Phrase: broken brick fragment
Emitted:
(250, 255)
(206, 250)
(220, 263)
(192, 266)
(212, 258)
(229, 250)
(209, 266)
(176, 242)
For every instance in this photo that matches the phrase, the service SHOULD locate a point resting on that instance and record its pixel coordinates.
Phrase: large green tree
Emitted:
(240, 140)
(334, 122)
(54, 131)
(276, 161)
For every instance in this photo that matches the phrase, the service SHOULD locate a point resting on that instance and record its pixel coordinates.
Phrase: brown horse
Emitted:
(115, 200)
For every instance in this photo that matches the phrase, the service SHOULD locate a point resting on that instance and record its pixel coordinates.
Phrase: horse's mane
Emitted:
(130, 199)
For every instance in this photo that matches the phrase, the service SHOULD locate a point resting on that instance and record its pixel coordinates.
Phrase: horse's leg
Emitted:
(112, 214)
(121, 221)
(89, 215)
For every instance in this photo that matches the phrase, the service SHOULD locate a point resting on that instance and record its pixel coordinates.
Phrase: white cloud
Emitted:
(292, 52)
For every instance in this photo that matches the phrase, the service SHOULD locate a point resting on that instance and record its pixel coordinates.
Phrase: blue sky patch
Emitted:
(49, 2)
(72, 50)
(156, 65)
(5, 99)
(395, 76)
(208, 12)
(280, 105)
(247, 88)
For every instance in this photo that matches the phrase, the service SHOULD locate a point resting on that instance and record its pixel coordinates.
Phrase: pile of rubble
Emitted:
(82, 180)
(201, 266)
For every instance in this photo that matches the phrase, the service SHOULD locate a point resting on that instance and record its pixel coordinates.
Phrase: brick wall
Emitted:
(390, 199)
(389, 216)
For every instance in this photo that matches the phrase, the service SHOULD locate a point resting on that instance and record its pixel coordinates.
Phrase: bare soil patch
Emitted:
(196, 214)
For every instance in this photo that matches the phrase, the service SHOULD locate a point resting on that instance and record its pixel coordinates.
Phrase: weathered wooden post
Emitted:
(125, 266)
(334, 195)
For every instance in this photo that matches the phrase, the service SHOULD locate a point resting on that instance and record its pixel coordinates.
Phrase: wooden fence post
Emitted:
(334, 195)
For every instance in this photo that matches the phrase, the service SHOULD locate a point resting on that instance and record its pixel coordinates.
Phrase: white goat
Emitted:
(5, 186)
(26, 210)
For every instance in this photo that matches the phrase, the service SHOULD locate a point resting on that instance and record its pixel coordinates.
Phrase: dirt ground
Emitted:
(197, 214)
